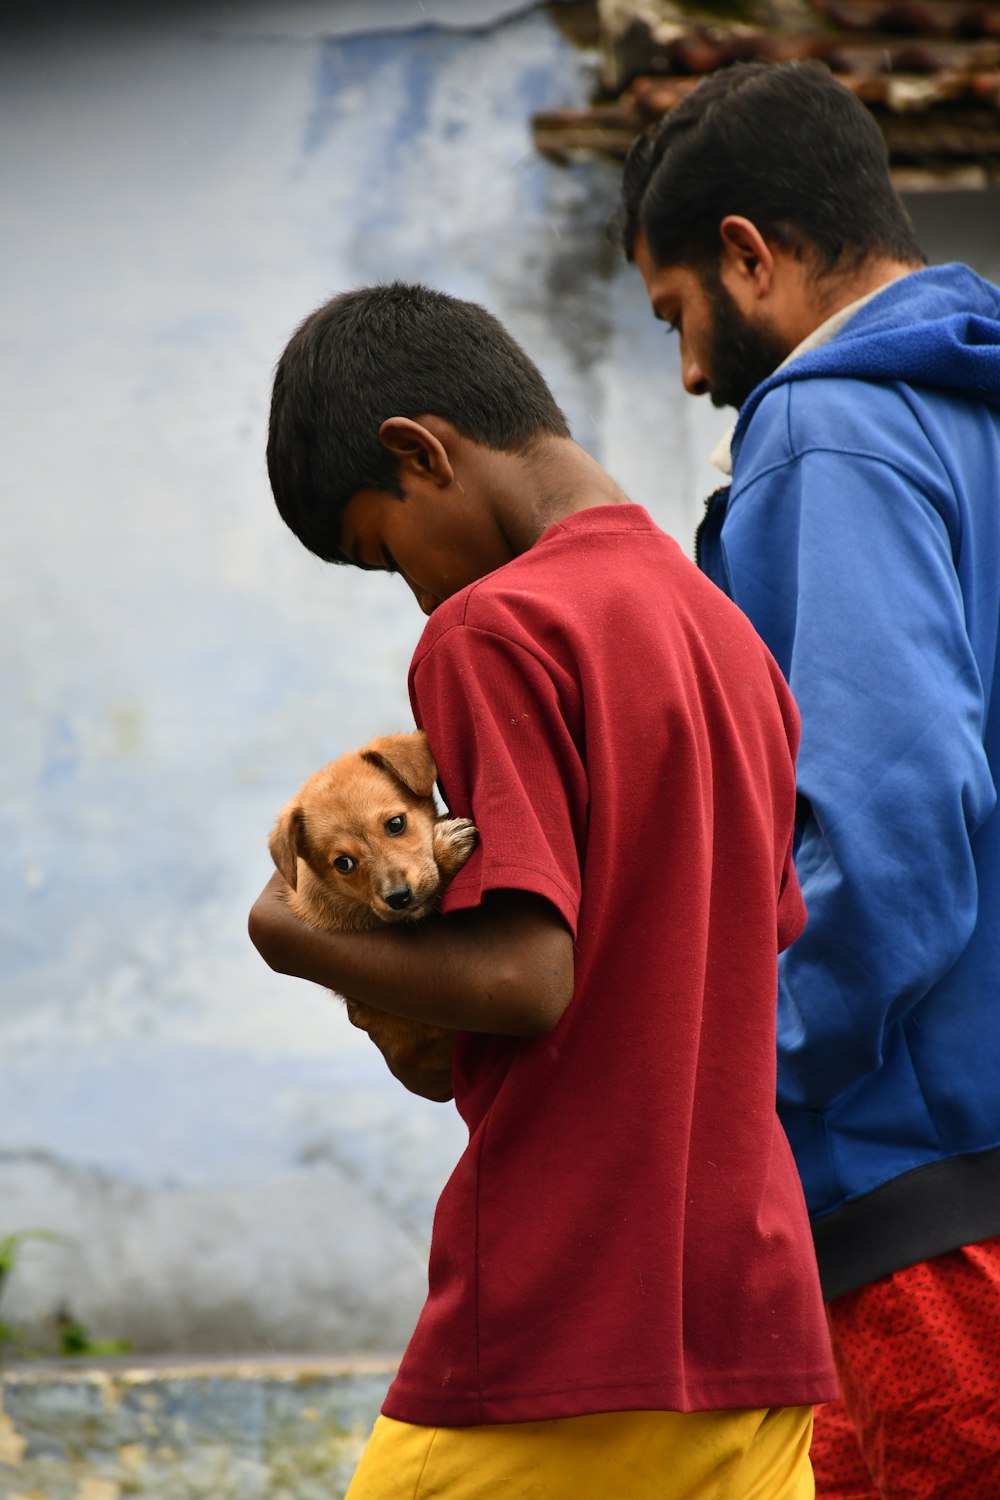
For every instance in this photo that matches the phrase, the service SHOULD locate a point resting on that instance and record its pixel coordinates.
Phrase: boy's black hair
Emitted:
(783, 144)
(390, 351)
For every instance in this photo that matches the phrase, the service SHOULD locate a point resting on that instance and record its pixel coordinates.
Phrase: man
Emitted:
(861, 534)
(623, 1300)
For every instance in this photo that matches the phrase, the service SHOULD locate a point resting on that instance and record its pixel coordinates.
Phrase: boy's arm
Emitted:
(504, 967)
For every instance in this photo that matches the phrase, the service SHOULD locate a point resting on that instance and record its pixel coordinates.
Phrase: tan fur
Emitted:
(342, 810)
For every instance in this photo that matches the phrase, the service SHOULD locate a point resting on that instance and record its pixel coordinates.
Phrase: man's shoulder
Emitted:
(839, 414)
(929, 338)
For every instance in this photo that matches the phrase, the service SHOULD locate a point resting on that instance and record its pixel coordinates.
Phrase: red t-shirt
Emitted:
(626, 1228)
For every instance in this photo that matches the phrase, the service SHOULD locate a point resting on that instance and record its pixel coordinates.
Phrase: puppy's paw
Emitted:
(454, 841)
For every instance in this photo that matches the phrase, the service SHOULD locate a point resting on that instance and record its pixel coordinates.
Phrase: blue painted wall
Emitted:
(227, 1159)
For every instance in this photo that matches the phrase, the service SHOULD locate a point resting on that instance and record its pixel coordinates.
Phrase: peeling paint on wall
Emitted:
(226, 1156)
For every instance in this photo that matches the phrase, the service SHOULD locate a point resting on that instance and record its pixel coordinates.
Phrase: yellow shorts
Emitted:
(629, 1455)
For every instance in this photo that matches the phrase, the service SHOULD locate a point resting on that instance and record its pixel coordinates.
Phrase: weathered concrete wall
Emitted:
(256, 1431)
(230, 1165)
(229, 1162)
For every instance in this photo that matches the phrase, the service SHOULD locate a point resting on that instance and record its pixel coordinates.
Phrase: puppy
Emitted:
(361, 844)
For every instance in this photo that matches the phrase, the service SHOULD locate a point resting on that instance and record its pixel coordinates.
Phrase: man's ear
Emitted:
(419, 453)
(746, 253)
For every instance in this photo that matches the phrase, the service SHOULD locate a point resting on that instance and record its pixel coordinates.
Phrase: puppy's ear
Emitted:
(287, 839)
(407, 757)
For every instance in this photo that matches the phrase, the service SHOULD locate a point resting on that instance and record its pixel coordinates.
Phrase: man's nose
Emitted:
(693, 376)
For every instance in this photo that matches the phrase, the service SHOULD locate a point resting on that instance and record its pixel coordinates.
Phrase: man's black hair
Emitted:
(390, 351)
(784, 145)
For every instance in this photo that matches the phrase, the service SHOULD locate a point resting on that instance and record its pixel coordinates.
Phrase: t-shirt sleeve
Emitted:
(506, 758)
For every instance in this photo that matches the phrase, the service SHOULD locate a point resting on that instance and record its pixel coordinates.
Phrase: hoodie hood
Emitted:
(937, 327)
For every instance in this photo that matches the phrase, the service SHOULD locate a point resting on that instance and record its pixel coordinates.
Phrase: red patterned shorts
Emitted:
(918, 1356)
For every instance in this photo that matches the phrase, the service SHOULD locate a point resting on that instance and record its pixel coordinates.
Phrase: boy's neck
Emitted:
(555, 478)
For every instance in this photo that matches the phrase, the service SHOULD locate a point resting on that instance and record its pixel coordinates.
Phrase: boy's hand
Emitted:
(285, 944)
(427, 1073)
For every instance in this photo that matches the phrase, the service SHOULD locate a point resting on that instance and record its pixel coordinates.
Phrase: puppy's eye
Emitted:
(344, 863)
(395, 825)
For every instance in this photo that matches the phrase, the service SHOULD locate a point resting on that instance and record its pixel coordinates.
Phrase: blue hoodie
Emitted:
(861, 534)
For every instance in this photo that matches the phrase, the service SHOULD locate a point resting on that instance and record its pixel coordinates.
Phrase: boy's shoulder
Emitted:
(605, 591)
(575, 561)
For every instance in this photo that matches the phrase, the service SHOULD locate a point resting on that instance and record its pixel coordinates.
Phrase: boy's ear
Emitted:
(419, 453)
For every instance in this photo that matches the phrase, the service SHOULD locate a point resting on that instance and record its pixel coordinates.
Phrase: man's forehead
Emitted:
(663, 283)
(642, 255)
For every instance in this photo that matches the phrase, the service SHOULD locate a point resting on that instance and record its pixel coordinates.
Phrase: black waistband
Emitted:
(921, 1214)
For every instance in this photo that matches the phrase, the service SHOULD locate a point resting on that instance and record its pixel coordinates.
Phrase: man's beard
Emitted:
(742, 354)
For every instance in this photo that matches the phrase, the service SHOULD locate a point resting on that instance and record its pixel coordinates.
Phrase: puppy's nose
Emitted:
(400, 898)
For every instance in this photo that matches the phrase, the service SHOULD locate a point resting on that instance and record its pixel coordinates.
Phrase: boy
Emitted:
(623, 1299)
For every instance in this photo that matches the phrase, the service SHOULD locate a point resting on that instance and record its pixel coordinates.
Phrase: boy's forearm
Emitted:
(505, 968)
